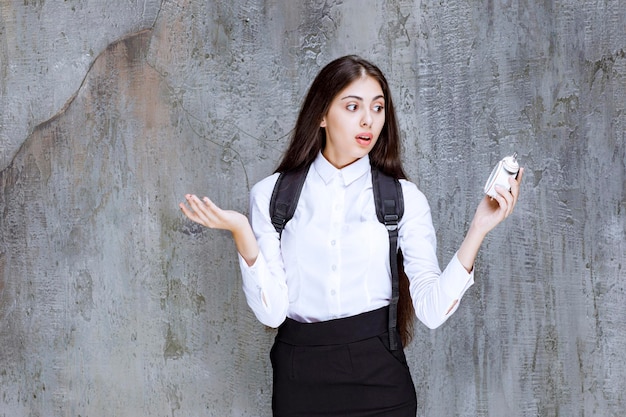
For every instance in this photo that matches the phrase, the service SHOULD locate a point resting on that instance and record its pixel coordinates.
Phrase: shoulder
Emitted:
(411, 193)
(415, 203)
(264, 188)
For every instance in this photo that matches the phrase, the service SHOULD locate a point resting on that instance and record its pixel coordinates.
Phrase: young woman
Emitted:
(326, 283)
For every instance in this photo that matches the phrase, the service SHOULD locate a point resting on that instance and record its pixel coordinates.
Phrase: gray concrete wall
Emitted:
(111, 304)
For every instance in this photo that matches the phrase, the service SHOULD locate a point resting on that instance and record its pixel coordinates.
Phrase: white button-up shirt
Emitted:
(333, 258)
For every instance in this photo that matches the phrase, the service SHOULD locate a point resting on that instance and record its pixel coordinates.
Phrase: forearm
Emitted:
(469, 248)
(489, 214)
(245, 241)
(467, 253)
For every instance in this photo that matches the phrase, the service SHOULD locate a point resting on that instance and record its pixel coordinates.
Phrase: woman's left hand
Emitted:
(492, 211)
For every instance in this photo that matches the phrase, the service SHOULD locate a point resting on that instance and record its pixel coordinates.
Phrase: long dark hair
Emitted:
(308, 139)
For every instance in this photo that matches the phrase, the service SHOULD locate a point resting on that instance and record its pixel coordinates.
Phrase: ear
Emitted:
(323, 122)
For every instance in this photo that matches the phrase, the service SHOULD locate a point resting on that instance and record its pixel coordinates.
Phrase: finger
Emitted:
(196, 204)
(183, 207)
(510, 200)
(210, 214)
(210, 205)
(201, 213)
(209, 209)
(515, 190)
(190, 213)
(515, 183)
(505, 200)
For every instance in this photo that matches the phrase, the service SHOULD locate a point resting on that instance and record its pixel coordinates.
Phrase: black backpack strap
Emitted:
(285, 197)
(389, 203)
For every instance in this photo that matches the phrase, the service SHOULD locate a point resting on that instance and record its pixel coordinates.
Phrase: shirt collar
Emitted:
(349, 174)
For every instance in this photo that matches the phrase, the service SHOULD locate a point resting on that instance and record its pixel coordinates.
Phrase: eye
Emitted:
(379, 108)
(351, 107)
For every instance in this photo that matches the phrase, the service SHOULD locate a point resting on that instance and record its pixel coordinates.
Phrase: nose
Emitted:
(366, 120)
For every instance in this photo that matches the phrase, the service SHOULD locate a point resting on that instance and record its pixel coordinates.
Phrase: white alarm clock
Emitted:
(506, 168)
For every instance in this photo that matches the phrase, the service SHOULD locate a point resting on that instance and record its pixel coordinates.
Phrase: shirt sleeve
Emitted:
(264, 282)
(435, 294)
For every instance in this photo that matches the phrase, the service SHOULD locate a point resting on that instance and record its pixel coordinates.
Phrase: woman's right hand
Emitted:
(206, 213)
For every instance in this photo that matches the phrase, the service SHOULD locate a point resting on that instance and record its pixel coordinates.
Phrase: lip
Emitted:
(364, 138)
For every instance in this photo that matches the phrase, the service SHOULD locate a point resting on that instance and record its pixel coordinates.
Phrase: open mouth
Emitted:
(364, 138)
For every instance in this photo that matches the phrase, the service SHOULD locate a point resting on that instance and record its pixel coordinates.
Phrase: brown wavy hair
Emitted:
(308, 139)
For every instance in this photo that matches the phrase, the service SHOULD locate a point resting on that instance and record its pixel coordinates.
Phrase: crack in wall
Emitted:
(65, 106)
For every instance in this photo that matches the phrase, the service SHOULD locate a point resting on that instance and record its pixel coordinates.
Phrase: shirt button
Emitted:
(333, 292)
(334, 267)
(333, 242)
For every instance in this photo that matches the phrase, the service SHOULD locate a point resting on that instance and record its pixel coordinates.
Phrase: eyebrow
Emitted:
(361, 98)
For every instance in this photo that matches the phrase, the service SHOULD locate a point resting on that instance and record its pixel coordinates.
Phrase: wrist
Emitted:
(245, 241)
(241, 227)
(476, 231)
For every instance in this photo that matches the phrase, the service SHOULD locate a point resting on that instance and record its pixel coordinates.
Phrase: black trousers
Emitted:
(340, 368)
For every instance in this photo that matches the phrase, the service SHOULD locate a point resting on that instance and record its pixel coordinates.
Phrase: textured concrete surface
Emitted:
(111, 304)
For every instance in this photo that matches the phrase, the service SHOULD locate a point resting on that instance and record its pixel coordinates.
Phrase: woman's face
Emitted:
(354, 121)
